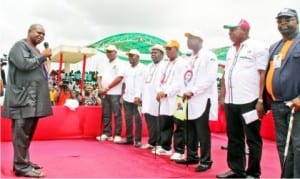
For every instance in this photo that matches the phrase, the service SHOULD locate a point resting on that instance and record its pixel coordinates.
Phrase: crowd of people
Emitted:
(256, 78)
(69, 88)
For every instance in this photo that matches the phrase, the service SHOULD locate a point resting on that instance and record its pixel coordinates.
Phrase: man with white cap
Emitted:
(198, 86)
(110, 76)
(241, 97)
(132, 89)
(167, 91)
(152, 75)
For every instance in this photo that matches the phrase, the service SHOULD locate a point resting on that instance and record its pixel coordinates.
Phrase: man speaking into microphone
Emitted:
(27, 97)
(46, 45)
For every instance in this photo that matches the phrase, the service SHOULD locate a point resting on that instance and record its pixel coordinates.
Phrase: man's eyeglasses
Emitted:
(285, 19)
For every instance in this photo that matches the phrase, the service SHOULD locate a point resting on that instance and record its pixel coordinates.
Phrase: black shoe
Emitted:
(229, 174)
(33, 173)
(36, 166)
(138, 144)
(125, 142)
(33, 165)
(202, 167)
(188, 161)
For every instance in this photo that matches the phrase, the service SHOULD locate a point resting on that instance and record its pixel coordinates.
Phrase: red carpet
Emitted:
(88, 158)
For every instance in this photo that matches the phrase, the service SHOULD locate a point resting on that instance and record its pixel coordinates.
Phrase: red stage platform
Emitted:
(85, 122)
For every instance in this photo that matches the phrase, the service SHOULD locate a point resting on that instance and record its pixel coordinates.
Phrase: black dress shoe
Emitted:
(188, 161)
(125, 142)
(138, 144)
(203, 167)
(229, 174)
(36, 166)
(33, 165)
(33, 173)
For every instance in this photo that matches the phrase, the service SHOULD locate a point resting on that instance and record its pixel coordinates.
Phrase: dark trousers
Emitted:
(236, 131)
(166, 131)
(153, 129)
(281, 114)
(179, 136)
(199, 131)
(132, 113)
(111, 104)
(22, 133)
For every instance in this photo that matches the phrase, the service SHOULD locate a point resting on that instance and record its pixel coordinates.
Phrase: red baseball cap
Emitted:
(243, 24)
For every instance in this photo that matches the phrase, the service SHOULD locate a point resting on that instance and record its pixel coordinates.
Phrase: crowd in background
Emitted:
(69, 88)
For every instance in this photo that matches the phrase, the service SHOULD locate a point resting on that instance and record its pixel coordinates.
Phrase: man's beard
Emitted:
(287, 31)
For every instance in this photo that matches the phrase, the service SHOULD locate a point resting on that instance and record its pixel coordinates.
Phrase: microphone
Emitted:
(46, 45)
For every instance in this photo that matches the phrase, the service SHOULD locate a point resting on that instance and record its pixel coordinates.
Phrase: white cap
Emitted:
(133, 52)
(111, 48)
(195, 33)
(158, 47)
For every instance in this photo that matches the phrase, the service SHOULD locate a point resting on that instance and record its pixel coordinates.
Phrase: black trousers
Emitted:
(132, 113)
(179, 136)
(22, 133)
(111, 104)
(199, 131)
(236, 131)
(166, 131)
(153, 129)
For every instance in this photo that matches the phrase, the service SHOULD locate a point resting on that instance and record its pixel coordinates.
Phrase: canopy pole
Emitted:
(83, 73)
(61, 57)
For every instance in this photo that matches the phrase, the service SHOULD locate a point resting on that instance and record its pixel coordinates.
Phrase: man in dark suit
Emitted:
(26, 97)
(283, 88)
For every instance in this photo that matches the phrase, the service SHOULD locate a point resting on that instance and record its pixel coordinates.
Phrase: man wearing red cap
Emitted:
(241, 97)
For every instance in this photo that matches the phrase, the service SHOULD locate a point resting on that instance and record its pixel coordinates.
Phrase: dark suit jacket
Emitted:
(288, 75)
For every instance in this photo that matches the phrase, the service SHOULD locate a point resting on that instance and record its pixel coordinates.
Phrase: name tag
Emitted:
(277, 61)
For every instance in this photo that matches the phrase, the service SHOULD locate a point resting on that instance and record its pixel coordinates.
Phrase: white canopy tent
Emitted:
(69, 55)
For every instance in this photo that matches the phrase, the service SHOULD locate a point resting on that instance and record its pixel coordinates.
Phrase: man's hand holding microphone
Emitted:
(47, 52)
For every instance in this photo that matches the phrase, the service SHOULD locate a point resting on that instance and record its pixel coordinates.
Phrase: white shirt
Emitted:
(109, 71)
(133, 79)
(152, 77)
(241, 72)
(170, 85)
(200, 77)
